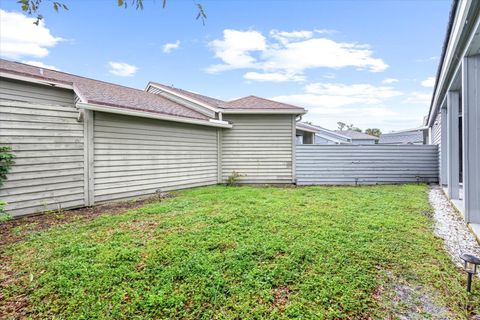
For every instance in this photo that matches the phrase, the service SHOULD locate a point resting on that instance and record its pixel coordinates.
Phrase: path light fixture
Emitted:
(470, 264)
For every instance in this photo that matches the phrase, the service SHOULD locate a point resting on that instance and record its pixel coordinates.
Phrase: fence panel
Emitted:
(366, 164)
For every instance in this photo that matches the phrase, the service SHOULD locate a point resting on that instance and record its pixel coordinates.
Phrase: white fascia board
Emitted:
(306, 129)
(192, 100)
(452, 62)
(151, 115)
(35, 80)
(263, 111)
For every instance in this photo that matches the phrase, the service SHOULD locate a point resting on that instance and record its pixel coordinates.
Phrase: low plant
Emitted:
(4, 216)
(232, 179)
(6, 162)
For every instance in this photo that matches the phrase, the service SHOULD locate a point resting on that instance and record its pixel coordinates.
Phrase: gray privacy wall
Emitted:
(365, 164)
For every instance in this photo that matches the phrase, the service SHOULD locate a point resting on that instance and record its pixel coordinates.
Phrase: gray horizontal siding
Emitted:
(137, 156)
(40, 124)
(437, 136)
(375, 164)
(259, 147)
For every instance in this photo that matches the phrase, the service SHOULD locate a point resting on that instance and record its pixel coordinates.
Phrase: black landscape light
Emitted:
(470, 263)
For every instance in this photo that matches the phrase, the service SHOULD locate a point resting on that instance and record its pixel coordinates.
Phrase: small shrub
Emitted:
(6, 162)
(232, 179)
(4, 216)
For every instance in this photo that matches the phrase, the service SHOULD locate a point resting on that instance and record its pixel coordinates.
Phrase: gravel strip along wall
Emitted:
(450, 226)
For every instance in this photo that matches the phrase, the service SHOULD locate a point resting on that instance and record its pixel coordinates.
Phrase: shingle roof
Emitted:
(104, 93)
(356, 135)
(402, 137)
(249, 102)
(253, 102)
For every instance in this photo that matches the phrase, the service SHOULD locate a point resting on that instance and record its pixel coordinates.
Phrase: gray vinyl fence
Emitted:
(365, 164)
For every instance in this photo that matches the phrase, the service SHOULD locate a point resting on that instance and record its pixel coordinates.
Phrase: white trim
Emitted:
(455, 35)
(35, 80)
(144, 114)
(264, 111)
(306, 129)
(173, 92)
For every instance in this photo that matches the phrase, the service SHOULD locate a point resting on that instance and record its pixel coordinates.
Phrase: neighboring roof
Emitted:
(356, 135)
(323, 133)
(307, 127)
(244, 103)
(104, 93)
(405, 137)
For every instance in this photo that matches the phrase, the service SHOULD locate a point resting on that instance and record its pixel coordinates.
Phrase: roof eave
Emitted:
(449, 62)
(152, 115)
(264, 111)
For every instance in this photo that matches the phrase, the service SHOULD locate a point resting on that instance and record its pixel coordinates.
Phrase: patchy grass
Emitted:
(242, 252)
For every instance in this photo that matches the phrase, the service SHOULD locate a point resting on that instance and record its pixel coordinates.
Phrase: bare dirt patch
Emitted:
(280, 297)
(405, 301)
(17, 229)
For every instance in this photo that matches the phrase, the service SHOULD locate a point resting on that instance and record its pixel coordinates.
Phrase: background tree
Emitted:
(373, 132)
(34, 7)
(341, 125)
(353, 128)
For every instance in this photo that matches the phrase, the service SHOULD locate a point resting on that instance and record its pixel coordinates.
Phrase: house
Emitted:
(358, 137)
(80, 141)
(410, 136)
(453, 119)
(312, 134)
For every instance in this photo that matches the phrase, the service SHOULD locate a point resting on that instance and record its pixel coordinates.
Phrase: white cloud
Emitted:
(420, 98)
(352, 94)
(235, 49)
(389, 80)
(284, 36)
(41, 65)
(169, 47)
(20, 37)
(122, 69)
(364, 105)
(273, 77)
(289, 52)
(429, 82)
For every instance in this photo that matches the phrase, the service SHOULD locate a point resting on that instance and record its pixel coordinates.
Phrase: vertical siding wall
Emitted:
(137, 156)
(259, 147)
(40, 124)
(376, 164)
(437, 137)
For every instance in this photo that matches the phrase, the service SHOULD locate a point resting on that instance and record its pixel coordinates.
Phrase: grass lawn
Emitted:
(244, 253)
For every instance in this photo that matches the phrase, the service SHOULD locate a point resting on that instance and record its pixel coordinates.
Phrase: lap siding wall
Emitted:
(138, 156)
(40, 125)
(259, 147)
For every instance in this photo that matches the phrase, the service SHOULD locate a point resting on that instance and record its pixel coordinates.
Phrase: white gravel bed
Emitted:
(450, 226)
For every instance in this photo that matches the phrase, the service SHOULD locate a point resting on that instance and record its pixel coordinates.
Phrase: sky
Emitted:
(367, 63)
